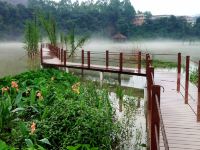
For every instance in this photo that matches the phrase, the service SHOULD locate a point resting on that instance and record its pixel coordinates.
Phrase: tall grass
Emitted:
(49, 26)
(32, 37)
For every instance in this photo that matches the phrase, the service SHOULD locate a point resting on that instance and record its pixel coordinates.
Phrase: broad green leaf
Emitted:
(17, 109)
(18, 99)
(40, 147)
(45, 140)
(29, 143)
(3, 145)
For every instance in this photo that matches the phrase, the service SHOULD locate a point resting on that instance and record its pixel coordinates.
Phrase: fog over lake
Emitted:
(13, 59)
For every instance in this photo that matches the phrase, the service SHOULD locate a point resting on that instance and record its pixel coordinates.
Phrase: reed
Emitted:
(32, 37)
(49, 25)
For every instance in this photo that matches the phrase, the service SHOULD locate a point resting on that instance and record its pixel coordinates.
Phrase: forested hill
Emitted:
(15, 2)
(101, 17)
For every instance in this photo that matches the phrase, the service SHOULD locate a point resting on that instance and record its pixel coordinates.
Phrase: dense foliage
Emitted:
(101, 17)
(49, 109)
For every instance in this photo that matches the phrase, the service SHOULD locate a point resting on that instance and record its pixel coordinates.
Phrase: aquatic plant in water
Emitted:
(32, 37)
(71, 43)
(49, 25)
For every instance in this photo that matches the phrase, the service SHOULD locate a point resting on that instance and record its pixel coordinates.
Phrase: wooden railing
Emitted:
(186, 86)
(154, 116)
(89, 58)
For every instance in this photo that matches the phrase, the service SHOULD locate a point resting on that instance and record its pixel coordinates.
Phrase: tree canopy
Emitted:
(101, 17)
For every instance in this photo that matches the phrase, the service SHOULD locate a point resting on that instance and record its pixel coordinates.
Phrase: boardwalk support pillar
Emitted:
(198, 104)
(179, 72)
(187, 78)
(155, 120)
(101, 78)
(119, 78)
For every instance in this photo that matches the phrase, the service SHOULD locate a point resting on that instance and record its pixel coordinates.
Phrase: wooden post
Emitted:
(120, 61)
(107, 59)
(198, 104)
(82, 57)
(139, 62)
(149, 88)
(88, 56)
(155, 120)
(41, 55)
(61, 55)
(147, 63)
(65, 58)
(179, 72)
(187, 78)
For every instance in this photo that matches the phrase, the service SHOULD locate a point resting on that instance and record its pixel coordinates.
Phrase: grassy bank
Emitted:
(161, 64)
(50, 109)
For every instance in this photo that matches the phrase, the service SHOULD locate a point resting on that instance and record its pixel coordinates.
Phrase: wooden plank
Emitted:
(183, 132)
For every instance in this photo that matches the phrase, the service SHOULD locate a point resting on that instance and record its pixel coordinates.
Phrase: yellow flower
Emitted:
(75, 87)
(33, 127)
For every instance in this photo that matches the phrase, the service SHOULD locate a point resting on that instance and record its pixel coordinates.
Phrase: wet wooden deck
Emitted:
(182, 129)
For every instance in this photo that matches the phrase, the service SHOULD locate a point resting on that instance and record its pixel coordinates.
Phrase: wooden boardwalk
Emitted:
(182, 129)
(51, 60)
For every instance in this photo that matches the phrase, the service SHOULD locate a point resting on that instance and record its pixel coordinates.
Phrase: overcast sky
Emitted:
(160, 7)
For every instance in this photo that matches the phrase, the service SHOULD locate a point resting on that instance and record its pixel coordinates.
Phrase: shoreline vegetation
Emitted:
(52, 109)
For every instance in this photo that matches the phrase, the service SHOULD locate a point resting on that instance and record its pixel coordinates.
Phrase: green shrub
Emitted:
(194, 77)
(50, 109)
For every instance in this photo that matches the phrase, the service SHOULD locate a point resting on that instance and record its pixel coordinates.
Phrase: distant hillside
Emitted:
(15, 2)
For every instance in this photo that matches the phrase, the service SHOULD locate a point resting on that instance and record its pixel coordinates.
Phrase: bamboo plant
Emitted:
(49, 26)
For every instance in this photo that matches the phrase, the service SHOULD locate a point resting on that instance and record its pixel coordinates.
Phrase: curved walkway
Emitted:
(182, 129)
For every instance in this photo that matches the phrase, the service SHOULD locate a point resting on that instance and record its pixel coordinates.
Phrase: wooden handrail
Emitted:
(157, 137)
(155, 121)
(198, 97)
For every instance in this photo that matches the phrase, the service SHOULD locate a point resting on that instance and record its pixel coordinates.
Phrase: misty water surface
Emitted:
(13, 59)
